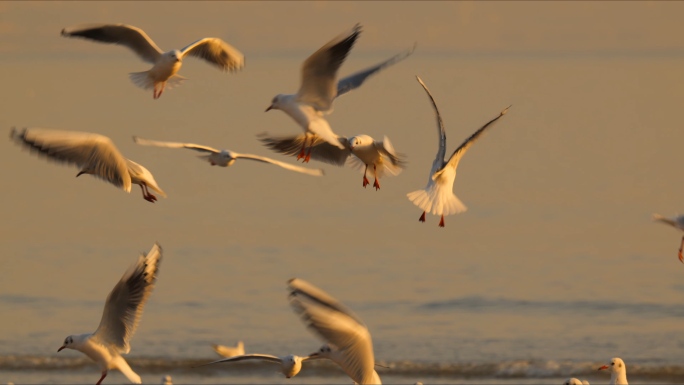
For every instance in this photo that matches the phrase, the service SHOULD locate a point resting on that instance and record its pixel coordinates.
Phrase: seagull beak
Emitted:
(603, 367)
(80, 173)
(269, 108)
(60, 349)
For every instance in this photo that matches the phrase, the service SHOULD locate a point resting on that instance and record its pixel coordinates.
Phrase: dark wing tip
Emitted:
(64, 32)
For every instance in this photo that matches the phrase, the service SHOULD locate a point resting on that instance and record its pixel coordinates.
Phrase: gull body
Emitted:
(165, 64)
(122, 312)
(676, 222)
(348, 341)
(290, 365)
(229, 351)
(225, 158)
(319, 88)
(438, 197)
(618, 371)
(360, 151)
(95, 155)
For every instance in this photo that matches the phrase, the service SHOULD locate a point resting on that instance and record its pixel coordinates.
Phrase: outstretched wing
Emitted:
(264, 357)
(438, 163)
(93, 152)
(287, 166)
(319, 71)
(126, 35)
(156, 143)
(126, 301)
(217, 52)
(355, 80)
(320, 149)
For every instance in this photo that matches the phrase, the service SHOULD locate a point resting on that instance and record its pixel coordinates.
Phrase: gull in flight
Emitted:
(165, 64)
(225, 158)
(290, 365)
(618, 371)
(676, 222)
(120, 318)
(362, 151)
(575, 381)
(319, 87)
(95, 154)
(229, 351)
(348, 340)
(438, 197)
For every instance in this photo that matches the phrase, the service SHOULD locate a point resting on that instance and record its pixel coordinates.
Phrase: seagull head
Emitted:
(173, 56)
(67, 343)
(323, 352)
(360, 140)
(276, 102)
(226, 158)
(616, 365)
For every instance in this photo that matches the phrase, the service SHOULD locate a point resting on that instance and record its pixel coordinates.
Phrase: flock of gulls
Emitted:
(347, 340)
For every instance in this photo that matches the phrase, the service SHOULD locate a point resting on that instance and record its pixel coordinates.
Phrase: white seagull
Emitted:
(225, 158)
(362, 151)
(120, 318)
(348, 340)
(229, 351)
(438, 197)
(95, 154)
(618, 371)
(319, 87)
(166, 64)
(676, 222)
(290, 365)
(575, 381)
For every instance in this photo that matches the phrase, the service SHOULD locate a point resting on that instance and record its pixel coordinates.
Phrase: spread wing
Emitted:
(355, 80)
(287, 166)
(217, 52)
(461, 150)
(319, 71)
(438, 163)
(386, 149)
(156, 143)
(126, 301)
(126, 35)
(336, 324)
(264, 357)
(93, 152)
(320, 149)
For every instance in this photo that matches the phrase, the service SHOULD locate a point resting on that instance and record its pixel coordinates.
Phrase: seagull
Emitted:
(676, 222)
(95, 154)
(574, 381)
(438, 197)
(120, 318)
(229, 351)
(166, 380)
(290, 365)
(348, 340)
(225, 158)
(362, 150)
(618, 371)
(319, 87)
(166, 64)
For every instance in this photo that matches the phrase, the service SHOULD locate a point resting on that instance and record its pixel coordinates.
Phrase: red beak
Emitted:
(60, 349)
(603, 367)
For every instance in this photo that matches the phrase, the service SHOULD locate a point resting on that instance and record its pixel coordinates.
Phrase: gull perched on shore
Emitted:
(618, 371)
(319, 88)
(349, 342)
(95, 154)
(229, 351)
(438, 197)
(166, 64)
(122, 312)
(676, 222)
(290, 365)
(360, 151)
(225, 158)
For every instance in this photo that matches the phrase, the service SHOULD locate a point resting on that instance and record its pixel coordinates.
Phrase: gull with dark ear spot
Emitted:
(676, 222)
(120, 318)
(438, 197)
(360, 151)
(94, 154)
(349, 342)
(319, 88)
(225, 158)
(166, 64)
(618, 371)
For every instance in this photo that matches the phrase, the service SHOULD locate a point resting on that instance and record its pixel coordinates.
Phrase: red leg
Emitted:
(365, 180)
(104, 374)
(422, 217)
(441, 222)
(146, 194)
(162, 89)
(302, 154)
(308, 153)
(681, 257)
(376, 184)
(154, 93)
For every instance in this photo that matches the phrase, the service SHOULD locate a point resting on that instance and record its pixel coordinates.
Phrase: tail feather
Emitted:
(437, 201)
(142, 79)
